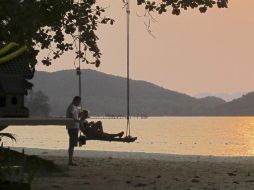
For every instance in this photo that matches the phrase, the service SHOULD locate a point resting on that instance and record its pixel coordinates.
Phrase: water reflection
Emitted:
(231, 136)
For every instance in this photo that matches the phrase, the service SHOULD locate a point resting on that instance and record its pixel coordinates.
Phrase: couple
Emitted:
(90, 129)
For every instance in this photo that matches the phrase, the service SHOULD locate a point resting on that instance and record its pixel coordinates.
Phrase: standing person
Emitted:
(73, 129)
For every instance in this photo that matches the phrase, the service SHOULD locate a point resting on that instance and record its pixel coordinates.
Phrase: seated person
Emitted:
(94, 129)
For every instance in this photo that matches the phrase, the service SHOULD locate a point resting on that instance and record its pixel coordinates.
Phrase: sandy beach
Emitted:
(110, 170)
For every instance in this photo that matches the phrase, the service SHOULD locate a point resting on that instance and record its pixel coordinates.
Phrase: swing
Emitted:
(128, 138)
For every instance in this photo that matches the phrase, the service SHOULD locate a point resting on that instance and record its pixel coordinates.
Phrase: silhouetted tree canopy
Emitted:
(57, 25)
(178, 5)
(54, 25)
(38, 103)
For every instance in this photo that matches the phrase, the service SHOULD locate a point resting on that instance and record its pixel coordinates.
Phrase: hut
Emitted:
(14, 74)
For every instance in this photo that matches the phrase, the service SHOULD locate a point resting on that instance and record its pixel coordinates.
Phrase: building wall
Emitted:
(14, 107)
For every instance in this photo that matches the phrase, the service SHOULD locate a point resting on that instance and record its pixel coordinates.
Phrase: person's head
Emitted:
(83, 114)
(76, 101)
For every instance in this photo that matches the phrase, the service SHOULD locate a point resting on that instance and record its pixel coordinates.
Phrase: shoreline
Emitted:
(113, 173)
(136, 155)
(106, 170)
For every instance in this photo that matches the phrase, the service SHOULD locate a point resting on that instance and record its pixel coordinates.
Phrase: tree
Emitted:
(178, 5)
(38, 105)
(50, 24)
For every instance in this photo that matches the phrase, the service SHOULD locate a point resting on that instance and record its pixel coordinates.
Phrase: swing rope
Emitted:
(128, 129)
(79, 73)
(79, 63)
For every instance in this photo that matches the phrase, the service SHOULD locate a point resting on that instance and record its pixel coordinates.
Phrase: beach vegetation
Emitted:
(5, 135)
(17, 170)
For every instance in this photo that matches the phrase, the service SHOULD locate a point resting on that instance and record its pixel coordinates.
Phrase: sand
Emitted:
(110, 170)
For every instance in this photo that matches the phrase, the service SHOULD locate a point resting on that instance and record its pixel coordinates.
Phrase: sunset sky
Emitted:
(191, 53)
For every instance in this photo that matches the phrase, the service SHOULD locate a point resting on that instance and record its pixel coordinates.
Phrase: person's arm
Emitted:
(76, 114)
(82, 126)
(91, 123)
(70, 112)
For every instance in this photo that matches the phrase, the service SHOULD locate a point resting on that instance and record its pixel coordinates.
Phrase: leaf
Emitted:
(8, 135)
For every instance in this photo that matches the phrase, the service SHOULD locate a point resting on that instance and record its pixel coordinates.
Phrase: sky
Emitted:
(191, 53)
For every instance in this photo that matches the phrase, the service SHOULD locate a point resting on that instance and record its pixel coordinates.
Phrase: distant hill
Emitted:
(242, 106)
(225, 96)
(105, 94)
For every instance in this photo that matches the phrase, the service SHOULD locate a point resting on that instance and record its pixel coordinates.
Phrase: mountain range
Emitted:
(225, 96)
(105, 94)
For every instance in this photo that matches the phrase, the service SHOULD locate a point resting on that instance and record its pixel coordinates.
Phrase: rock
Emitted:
(195, 181)
(140, 185)
(231, 174)
(250, 181)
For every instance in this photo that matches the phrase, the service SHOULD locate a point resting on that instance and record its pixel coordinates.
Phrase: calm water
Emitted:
(231, 136)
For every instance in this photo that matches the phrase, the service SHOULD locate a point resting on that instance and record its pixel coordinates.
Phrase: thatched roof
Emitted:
(17, 66)
(14, 84)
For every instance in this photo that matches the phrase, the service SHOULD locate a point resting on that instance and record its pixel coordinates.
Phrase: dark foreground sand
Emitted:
(124, 174)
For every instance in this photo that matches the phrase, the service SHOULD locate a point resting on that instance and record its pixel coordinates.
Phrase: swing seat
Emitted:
(127, 139)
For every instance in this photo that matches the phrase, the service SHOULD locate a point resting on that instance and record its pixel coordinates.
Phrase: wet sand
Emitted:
(109, 173)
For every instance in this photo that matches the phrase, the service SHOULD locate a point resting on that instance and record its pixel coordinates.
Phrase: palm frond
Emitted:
(8, 135)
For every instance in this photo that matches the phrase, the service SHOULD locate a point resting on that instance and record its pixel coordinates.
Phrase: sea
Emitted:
(217, 136)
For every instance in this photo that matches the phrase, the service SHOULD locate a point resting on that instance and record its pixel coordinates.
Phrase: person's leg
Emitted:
(73, 141)
(98, 131)
(112, 135)
(98, 126)
(71, 147)
(70, 151)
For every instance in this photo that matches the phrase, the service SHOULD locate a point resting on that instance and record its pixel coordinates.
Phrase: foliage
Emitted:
(178, 5)
(52, 24)
(33, 165)
(8, 135)
(37, 103)
(11, 55)
(58, 25)
(11, 136)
